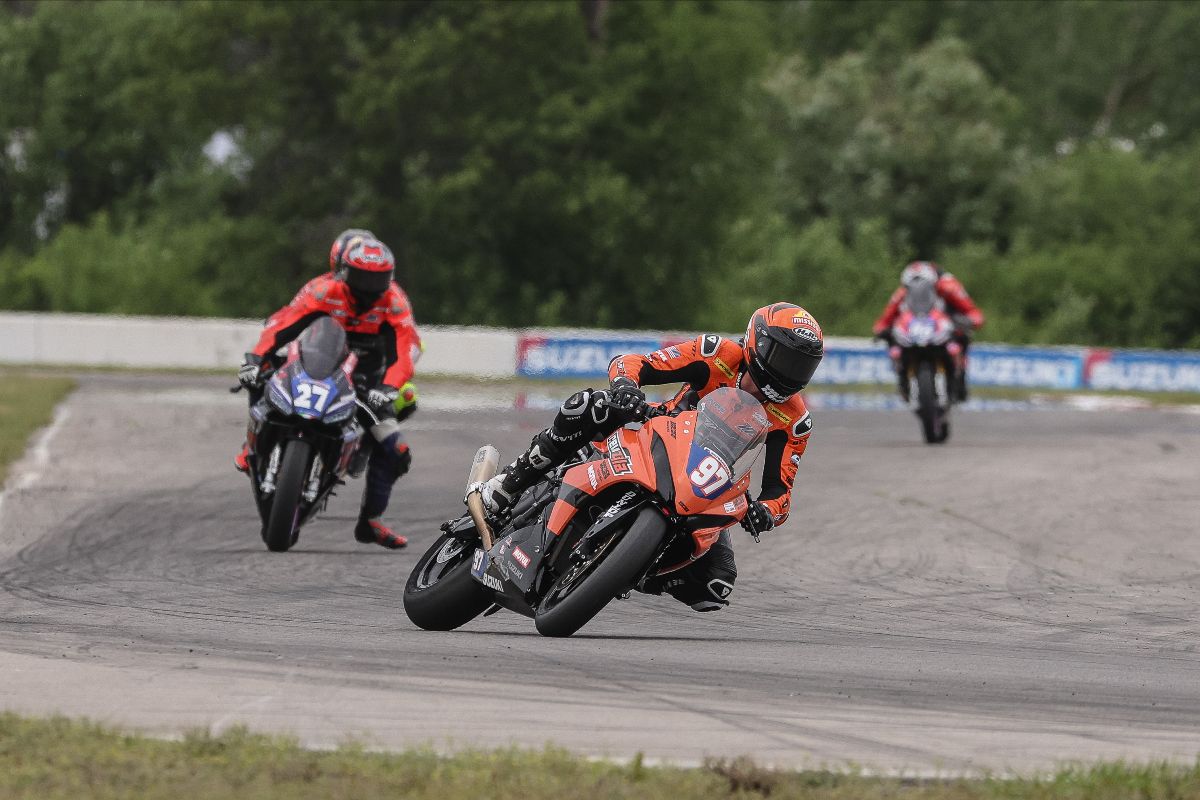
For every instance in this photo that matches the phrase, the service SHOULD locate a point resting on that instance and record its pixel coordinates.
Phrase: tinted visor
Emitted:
(921, 297)
(789, 368)
(367, 286)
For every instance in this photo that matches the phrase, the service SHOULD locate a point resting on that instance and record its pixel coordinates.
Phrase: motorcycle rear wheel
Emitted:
(280, 531)
(575, 598)
(440, 594)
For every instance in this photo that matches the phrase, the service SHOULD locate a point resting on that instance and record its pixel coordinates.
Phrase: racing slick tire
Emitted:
(580, 593)
(931, 414)
(440, 594)
(281, 529)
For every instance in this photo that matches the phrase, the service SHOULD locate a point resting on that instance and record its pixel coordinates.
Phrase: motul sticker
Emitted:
(721, 365)
(520, 557)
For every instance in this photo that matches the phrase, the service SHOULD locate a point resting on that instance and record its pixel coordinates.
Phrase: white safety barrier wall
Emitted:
(155, 342)
(158, 342)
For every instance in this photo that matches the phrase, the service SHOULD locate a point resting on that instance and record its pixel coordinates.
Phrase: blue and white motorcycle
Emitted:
(303, 434)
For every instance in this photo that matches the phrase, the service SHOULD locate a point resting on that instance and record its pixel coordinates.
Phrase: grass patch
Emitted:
(27, 403)
(60, 758)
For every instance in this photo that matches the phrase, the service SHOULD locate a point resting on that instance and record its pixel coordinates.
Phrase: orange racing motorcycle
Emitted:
(646, 502)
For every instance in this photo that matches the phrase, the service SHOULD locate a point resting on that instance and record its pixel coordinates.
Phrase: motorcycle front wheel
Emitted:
(587, 587)
(933, 418)
(440, 594)
(280, 531)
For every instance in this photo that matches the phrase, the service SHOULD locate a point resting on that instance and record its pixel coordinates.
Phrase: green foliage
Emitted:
(669, 165)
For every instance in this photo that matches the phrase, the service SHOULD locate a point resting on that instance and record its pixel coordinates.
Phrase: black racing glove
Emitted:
(250, 373)
(758, 518)
(627, 397)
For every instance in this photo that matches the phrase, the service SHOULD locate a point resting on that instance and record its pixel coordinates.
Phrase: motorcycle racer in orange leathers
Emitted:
(775, 360)
(966, 315)
(359, 293)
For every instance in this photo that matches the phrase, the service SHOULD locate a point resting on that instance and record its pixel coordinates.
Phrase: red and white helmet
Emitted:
(342, 243)
(782, 349)
(367, 267)
(920, 272)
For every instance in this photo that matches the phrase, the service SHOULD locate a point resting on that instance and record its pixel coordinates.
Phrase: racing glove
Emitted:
(758, 518)
(251, 371)
(382, 401)
(406, 401)
(626, 396)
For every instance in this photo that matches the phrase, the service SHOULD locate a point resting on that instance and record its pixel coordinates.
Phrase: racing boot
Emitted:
(372, 530)
(241, 462)
(960, 387)
(506, 486)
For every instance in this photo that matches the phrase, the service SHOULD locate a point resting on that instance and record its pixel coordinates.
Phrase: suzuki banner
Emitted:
(859, 361)
(1143, 371)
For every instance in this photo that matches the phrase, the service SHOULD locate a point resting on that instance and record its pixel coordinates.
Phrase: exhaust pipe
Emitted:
(483, 468)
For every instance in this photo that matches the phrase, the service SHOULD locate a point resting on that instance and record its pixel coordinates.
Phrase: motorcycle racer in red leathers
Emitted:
(775, 360)
(966, 315)
(359, 293)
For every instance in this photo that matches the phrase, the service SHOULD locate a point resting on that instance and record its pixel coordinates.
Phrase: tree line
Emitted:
(660, 164)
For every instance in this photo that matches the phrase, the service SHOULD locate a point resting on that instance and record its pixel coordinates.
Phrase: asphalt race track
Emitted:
(1026, 595)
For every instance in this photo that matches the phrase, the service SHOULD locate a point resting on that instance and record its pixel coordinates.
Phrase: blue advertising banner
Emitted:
(855, 365)
(1143, 371)
(989, 365)
(545, 357)
(997, 365)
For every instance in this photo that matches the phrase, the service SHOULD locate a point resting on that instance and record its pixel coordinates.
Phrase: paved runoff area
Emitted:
(1026, 595)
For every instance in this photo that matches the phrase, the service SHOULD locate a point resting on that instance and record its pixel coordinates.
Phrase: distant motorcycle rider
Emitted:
(360, 294)
(966, 316)
(775, 360)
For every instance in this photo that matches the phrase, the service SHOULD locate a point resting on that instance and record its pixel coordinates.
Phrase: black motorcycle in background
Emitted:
(302, 434)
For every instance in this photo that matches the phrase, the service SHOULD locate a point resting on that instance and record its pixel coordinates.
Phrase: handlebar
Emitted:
(264, 375)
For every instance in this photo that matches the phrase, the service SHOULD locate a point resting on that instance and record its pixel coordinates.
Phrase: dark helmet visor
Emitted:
(367, 286)
(789, 367)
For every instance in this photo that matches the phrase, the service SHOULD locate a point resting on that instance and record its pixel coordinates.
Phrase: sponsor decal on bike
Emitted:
(672, 429)
(592, 477)
(521, 557)
(617, 506)
(721, 365)
(618, 457)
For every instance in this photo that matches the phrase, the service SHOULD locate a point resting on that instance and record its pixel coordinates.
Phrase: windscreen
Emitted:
(322, 348)
(921, 297)
(732, 426)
